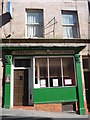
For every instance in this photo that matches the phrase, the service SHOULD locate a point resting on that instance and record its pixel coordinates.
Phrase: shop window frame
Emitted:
(74, 66)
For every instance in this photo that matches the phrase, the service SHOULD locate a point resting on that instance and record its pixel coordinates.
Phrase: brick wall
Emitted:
(42, 107)
(49, 107)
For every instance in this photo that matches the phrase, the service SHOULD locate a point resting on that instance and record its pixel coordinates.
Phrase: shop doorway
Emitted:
(20, 87)
(87, 87)
(23, 82)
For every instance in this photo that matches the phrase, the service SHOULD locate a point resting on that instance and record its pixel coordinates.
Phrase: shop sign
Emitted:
(7, 79)
(68, 81)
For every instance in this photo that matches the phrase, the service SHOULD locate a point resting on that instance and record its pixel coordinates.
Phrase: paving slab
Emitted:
(20, 114)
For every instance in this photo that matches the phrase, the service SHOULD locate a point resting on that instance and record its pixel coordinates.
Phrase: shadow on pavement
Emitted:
(38, 118)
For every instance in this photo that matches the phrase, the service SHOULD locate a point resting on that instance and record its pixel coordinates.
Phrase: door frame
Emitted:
(12, 77)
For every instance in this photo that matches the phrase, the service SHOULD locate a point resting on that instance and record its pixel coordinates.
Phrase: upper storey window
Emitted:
(34, 23)
(70, 24)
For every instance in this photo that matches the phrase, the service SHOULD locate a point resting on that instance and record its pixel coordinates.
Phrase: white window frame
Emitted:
(71, 25)
(33, 24)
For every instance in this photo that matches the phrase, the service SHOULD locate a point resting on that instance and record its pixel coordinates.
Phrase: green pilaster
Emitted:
(8, 63)
(79, 83)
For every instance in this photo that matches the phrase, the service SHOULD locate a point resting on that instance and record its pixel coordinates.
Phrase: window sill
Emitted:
(55, 87)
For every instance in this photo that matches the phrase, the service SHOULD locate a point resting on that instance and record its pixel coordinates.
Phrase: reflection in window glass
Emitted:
(55, 72)
(42, 74)
(34, 23)
(68, 71)
(70, 24)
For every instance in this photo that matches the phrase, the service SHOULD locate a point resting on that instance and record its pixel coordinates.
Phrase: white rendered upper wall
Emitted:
(17, 26)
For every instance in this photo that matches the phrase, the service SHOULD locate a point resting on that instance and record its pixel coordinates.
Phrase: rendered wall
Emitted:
(17, 26)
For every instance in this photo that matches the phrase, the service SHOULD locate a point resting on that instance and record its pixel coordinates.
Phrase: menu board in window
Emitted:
(68, 81)
(42, 83)
(55, 82)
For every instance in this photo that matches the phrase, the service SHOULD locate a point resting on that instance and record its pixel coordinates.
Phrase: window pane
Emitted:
(69, 18)
(48, 71)
(35, 16)
(68, 71)
(68, 32)
(35, 23)
(22, 63)
(75, 32)
(85, 63)
(42, 71)
(55, 72)
(70, 25)
(35, 31)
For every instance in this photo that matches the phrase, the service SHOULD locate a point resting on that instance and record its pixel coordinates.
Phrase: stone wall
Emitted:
(17, 26)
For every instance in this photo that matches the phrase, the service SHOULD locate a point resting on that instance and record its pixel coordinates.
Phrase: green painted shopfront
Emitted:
(48, 72)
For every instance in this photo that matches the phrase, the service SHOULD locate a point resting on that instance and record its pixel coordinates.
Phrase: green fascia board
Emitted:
(45, 40)
(54, 95)
(45, 55)
(76, 49)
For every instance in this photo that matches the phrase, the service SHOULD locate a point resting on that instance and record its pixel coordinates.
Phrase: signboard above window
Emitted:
(22, 63)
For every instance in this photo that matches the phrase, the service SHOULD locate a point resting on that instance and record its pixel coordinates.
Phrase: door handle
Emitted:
(86, 89)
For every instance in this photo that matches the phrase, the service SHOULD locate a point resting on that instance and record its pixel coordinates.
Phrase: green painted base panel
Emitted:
(54, 95)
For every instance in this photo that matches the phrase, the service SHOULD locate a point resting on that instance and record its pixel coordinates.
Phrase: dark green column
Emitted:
(80, 86)
(8, 63)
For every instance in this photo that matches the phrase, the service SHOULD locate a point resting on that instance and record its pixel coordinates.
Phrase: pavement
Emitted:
(20, 114)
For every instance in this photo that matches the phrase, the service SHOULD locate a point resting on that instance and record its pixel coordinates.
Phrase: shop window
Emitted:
(22, 63)
(70, 24)
(68, 71)
(54, 72)
(41, 76)
(34, 23)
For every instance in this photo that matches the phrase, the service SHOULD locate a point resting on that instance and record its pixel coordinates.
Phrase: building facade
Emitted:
(45, 45)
